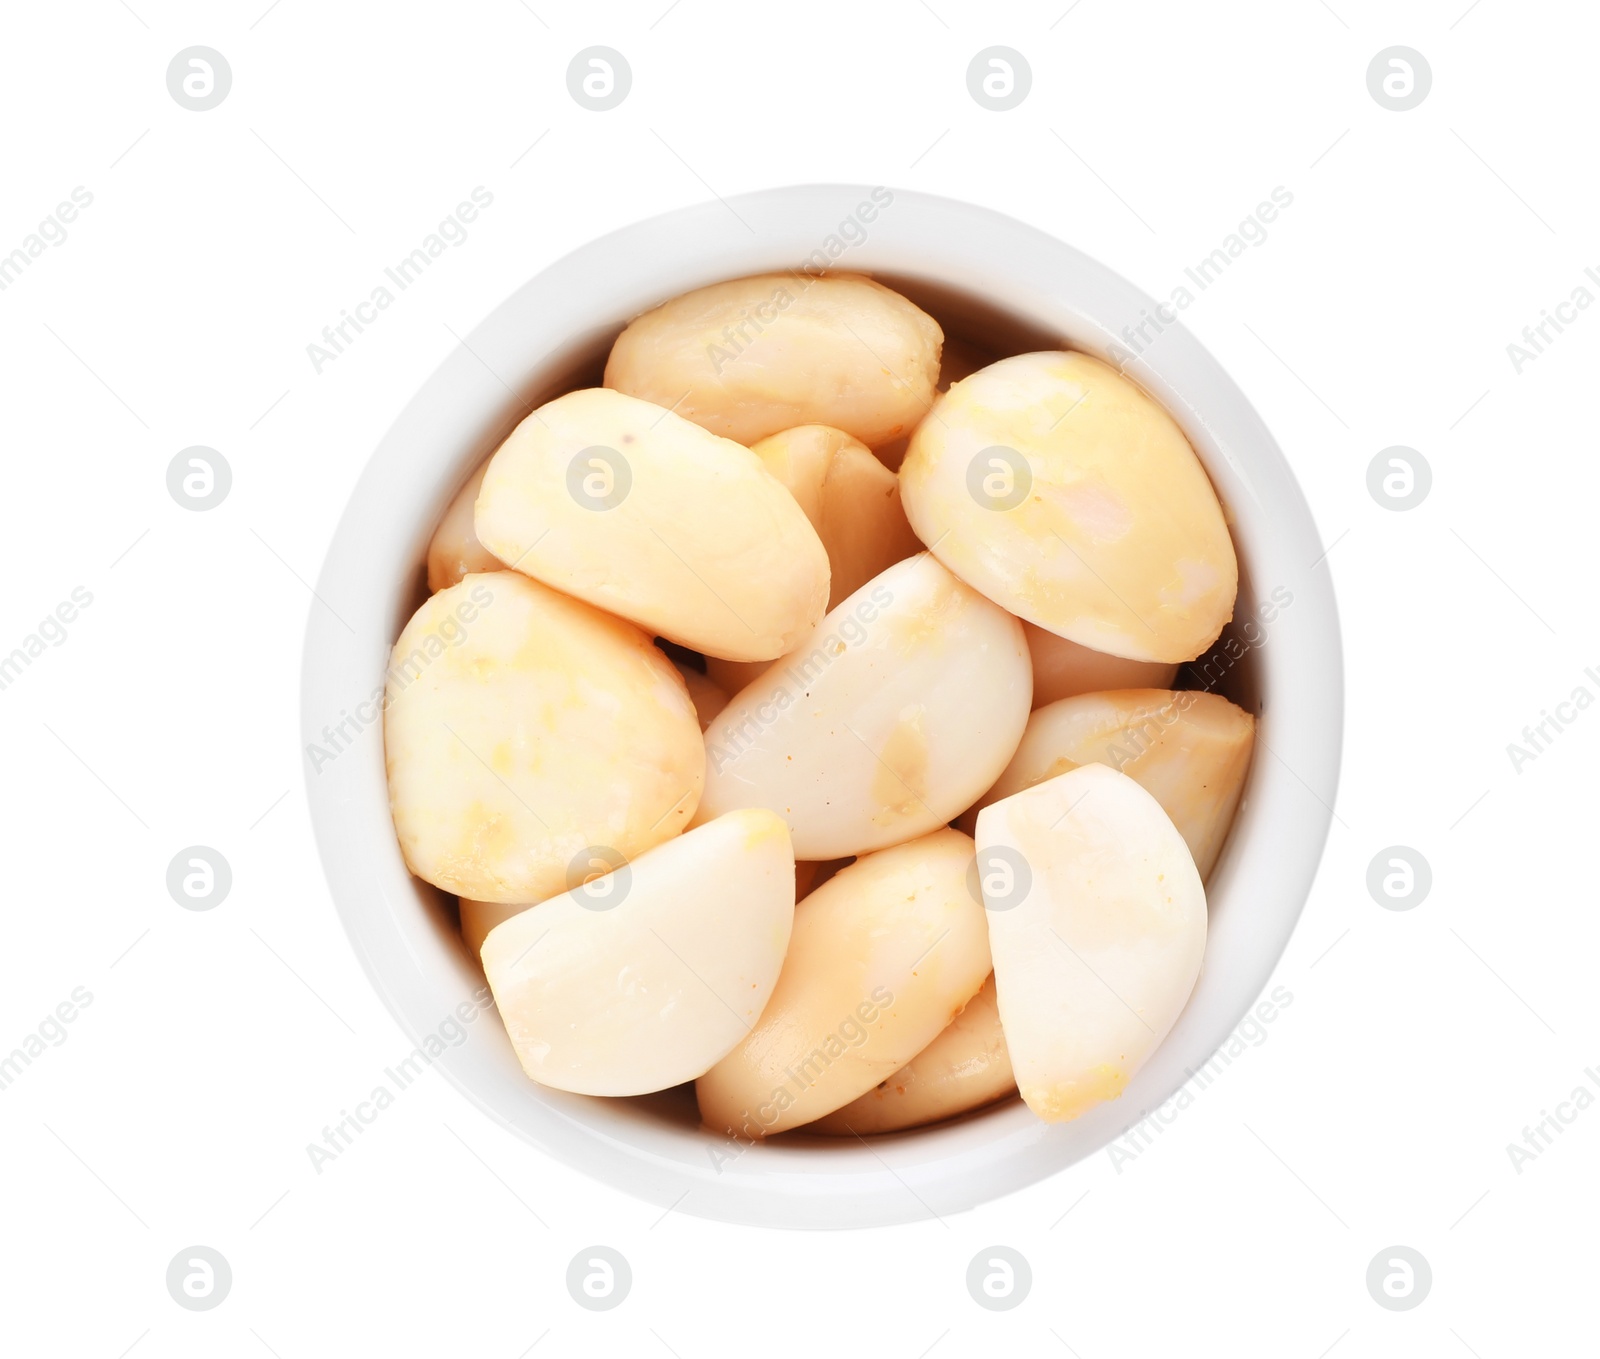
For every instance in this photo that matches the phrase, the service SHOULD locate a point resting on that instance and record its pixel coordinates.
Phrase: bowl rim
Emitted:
(1285, 814)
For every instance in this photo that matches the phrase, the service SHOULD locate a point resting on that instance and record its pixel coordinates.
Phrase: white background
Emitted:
(1418, 1045)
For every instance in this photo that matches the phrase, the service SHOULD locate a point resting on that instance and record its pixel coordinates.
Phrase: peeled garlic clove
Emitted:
(1061, 491)
(454, 551)
(1097, 922)
(1189, 750)
(647, 516)
(643, 977)
(704, 693)
(893, 715)
(750, 357)
(882, 956)
(851, 499)
(1063, 669)
(965, 1067)
(521, 727)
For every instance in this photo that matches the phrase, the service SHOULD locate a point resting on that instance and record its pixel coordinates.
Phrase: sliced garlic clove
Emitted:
(965, 1067)
(644, 977)
(1189, 750)
(643, 514)
(750, 357)
(890, 718)
(882, 956)
(522, 727)
(1055, 486)
(1097, 924)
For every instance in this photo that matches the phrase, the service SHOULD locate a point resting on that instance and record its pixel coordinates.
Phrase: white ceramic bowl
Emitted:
(985, 276)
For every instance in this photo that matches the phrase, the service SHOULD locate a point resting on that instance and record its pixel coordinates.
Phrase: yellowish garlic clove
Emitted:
(882, 956)
(753, 356)
(642, 978)
(965, 1067)
(1055, 486)
(890, 718)
(521, 727)
(1189, 750)
(1097, 926)
(635, 510)
(851, 499)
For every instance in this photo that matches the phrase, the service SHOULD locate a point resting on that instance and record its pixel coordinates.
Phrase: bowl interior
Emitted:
(1022, 292)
